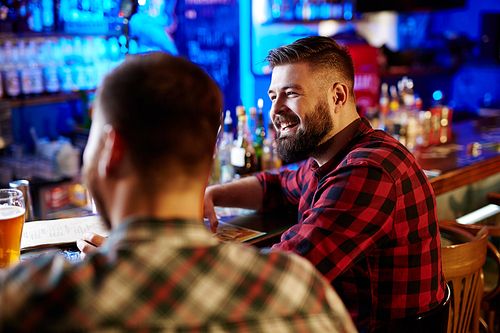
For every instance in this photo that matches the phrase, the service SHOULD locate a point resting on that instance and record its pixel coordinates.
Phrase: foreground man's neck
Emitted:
(185, 203)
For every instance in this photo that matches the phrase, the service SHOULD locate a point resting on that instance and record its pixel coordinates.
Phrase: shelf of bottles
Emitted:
(400, 114)
(81, 17)
(50, 47)
(310, 10)
(34, 66)
(253, 148)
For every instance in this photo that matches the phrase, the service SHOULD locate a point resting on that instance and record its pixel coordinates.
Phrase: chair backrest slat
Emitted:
(462, 269)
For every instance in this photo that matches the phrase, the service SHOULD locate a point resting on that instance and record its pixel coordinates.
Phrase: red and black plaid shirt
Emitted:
(368, 222)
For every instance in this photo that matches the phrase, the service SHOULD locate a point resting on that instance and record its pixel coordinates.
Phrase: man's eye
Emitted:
(272, 97)
(290, 93)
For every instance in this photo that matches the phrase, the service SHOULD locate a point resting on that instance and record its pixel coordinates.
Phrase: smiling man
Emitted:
(366, 212)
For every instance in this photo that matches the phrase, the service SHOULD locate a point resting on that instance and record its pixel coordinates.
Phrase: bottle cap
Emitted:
(240, 110)
(228, 119)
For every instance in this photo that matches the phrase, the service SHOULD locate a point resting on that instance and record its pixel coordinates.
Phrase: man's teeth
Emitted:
(284, 126)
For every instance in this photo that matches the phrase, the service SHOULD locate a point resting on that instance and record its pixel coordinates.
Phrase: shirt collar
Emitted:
(363, 129)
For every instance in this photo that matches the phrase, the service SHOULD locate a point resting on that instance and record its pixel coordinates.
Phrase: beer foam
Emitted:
(8, 212)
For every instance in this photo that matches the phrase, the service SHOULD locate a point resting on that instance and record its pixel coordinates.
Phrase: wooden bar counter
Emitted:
(472, 155)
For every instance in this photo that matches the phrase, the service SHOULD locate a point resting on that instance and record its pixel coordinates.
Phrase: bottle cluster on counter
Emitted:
(401, 114)
(253, 149)
(33, 66)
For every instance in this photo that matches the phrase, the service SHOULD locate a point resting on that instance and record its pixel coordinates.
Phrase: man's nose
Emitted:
(276, 109)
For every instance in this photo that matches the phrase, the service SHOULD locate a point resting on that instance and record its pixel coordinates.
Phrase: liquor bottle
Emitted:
(35, 22)
(25, 73)
(252, 125)
(384, 106)
(34, 66)
(2, 65)
(392, 121)
(10, 75)
(79, 74)
(243, 153)
(226, 144)
(409, 97)
(48, 15)
(52, 57)
(259, 135)
(65, 70)
(402, 89)
(394, 101)
(215, 174)
(299, 10)
(270, 157)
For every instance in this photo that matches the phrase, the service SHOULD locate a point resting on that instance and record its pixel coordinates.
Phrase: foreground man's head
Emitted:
(155, 120)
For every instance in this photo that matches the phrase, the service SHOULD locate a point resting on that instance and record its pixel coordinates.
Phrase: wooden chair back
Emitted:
(490, 303)
(493, 198)
(462, 268)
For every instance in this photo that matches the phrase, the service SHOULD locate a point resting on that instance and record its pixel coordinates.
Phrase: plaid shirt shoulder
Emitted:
(171, 276)
(368, 222)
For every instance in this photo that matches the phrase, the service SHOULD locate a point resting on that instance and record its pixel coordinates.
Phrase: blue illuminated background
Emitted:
(445, 45)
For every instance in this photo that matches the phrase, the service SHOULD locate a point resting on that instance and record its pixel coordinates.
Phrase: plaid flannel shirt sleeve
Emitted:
(282, 190)
(351, 214)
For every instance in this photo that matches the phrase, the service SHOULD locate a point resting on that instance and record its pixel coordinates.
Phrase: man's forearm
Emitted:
(243, 193)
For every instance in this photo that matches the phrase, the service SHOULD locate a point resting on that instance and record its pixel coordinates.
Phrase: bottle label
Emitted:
(36, 81)
(238, 157)
(66, 79)
(51, 80)
(226, 173)
(26, 81)
(12, 84)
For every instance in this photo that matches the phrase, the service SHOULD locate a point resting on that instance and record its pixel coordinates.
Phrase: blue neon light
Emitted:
(437, 95)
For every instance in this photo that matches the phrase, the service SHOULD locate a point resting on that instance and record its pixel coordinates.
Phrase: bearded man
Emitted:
(366, 212)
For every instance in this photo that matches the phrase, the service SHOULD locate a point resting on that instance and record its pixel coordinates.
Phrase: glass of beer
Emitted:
(12, 211)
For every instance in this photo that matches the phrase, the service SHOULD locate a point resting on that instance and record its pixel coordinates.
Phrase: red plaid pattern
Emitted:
(368, 222)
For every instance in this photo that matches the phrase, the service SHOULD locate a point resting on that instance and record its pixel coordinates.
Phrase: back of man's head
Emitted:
(168, 111)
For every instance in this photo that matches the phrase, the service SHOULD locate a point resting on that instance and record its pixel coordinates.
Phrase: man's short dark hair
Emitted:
(321, 53)
(168, 111)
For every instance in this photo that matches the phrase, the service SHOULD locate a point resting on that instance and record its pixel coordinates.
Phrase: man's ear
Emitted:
(340, 95)
(112, 153)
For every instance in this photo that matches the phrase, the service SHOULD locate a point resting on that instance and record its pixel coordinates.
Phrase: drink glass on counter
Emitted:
(12, 212)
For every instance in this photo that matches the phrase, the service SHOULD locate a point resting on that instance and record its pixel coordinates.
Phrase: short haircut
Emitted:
(321, 53)
(168, 111)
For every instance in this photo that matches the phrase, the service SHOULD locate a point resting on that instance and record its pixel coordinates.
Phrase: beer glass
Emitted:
(12, 211)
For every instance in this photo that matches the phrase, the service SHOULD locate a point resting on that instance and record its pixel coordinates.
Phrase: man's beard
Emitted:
(90, 180)
(316, 126)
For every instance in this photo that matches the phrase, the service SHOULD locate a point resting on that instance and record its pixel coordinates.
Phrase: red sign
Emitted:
(367, 75)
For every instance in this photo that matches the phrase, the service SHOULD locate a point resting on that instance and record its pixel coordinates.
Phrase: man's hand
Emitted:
(90, 243)
(209, 211)
(245, 193)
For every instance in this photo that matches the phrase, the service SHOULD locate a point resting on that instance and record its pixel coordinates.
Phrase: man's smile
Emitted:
(286, 125)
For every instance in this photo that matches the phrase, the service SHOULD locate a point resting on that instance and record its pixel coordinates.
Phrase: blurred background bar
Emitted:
(427, 72)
